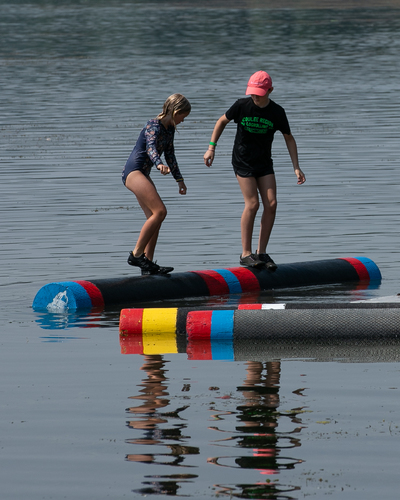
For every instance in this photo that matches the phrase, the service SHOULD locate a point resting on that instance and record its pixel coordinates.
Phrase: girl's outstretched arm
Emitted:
(292, 148)
(218, 129)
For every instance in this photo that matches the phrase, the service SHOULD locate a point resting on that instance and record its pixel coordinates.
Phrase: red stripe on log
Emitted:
(198, 325)
(247, 279)
(94, 293)
(362, 271)
(215, 282)
(131, 321)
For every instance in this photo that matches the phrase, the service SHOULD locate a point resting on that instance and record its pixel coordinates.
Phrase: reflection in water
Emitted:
(256, 440)
(261, 490)
(93, 318)
(155, 397)
(258, 437)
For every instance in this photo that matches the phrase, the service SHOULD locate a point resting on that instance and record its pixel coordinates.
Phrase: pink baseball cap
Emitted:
(259, 83)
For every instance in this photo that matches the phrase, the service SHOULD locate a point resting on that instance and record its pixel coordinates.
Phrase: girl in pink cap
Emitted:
(257, 118)
(155, 139)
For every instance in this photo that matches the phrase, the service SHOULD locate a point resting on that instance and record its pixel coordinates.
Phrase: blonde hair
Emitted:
(176, 103)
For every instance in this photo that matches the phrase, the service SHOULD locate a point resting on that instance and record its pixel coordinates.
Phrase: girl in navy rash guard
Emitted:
(155, 139)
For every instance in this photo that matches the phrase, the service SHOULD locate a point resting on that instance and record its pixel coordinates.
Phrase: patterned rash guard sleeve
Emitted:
(170, 158)
(158, 141)
(151, 133)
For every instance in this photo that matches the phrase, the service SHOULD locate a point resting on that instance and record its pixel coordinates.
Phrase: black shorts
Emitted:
(245, 172)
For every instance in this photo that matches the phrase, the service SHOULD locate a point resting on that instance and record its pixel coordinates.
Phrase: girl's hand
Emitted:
(182, 187)
(209, 157)
(301, 178)
(163, 169)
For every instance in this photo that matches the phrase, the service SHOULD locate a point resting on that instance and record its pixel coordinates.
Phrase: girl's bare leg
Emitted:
(154, 209)
(248, 186)
(267, 189)
(151, 245)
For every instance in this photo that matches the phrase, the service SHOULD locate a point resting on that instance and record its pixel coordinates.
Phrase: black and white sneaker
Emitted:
(269, 263)
(143, 262)
(251, 261)
(147, 266)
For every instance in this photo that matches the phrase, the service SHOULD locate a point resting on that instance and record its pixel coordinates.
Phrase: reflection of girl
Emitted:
(156, 138)
(260, 414)
(155, 397)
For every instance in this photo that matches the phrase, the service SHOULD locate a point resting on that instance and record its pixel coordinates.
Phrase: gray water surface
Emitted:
(81, 418)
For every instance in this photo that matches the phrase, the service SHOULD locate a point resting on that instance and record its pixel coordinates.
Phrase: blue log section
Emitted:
(83, 294)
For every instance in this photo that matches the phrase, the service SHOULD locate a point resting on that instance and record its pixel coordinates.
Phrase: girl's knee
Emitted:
(272, 206)
(252, 206)
(161, 213)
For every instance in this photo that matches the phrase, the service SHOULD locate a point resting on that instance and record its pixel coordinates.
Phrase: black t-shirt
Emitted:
(255, 132)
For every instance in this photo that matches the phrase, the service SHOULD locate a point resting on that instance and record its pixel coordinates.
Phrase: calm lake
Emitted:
(85, 417)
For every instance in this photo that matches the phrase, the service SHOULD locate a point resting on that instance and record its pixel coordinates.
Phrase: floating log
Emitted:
(268, 321)
(376, 344)
(98, 293)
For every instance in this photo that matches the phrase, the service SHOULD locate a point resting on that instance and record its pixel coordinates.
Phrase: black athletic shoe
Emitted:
(269, 263)
(162, 270)
(251, 261)
(144, 263)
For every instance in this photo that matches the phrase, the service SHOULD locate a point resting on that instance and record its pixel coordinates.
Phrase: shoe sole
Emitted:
(261, 264)
(145, 270)
(162, 271)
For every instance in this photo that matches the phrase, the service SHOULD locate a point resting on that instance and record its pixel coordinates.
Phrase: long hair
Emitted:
(176, 103)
